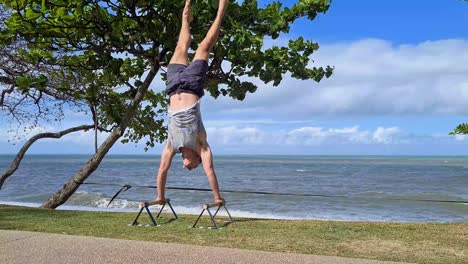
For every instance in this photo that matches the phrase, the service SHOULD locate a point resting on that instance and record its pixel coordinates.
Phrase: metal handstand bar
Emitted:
(146, 206)
(206, 207)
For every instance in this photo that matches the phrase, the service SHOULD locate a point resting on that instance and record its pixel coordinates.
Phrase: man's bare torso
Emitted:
(182, 100)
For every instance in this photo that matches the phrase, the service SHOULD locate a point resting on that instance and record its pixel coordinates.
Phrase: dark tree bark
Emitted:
(19, 157)
(95, 120)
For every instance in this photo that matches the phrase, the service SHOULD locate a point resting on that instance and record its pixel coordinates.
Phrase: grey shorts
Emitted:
(184, 127)
(187, 78)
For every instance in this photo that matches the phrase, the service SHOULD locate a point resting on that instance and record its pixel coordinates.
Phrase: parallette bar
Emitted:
(154, 202)
(206, 207)
(218, 204)
(146, 205)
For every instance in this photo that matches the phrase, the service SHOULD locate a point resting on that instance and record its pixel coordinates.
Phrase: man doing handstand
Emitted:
(187, 134)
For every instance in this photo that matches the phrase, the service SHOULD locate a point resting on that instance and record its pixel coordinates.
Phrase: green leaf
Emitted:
(32, 14)
(24, 82)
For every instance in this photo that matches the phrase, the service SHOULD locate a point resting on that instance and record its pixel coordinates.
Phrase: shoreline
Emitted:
(234, 213)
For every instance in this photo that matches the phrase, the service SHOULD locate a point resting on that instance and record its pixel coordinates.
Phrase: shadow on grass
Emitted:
(228, 223)
(165, 221)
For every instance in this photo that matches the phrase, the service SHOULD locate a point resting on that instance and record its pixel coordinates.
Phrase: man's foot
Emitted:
(223, 4)
(187, 14)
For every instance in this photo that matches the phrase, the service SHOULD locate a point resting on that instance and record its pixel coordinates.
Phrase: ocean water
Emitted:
(369, 188)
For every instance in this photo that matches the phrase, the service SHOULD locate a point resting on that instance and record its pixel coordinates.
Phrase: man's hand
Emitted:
(220, 201)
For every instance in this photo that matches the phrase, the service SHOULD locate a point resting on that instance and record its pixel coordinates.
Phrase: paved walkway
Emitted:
(34, 247)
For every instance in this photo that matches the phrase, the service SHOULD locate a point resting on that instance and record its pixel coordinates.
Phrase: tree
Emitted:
(121, 45)
(461, 129)
(29, 99)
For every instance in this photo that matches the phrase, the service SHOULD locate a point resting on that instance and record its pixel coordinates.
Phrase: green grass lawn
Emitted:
(409, 242)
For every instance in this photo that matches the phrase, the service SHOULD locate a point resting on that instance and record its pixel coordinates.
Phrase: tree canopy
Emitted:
(110, 45)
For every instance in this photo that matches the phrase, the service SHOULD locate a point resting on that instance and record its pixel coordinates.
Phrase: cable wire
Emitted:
(127, 186)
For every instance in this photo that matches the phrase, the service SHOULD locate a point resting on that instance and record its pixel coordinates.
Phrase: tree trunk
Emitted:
(61, 196)
(68, 189)
(19, 157)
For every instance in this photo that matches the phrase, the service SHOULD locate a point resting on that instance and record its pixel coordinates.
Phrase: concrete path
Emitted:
(34, 247)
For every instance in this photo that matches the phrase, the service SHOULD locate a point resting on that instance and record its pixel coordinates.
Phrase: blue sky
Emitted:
(399, 87)
(399, 21)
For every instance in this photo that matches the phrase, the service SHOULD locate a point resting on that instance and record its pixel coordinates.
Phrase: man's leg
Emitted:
(180, 55)
(204, 49)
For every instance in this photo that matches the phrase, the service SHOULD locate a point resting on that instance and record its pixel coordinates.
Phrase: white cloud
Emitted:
(372, 77)
(319, 135)
(252, 135)
(244, 139)
(308, 136)
(386, 135)
(252, 121)
(460, 137)
(235, 135)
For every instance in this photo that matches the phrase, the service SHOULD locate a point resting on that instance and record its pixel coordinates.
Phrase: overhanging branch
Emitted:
(16, 162)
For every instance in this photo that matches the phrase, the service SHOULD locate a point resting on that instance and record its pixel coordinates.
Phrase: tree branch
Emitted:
(16, 162)
(2, 98)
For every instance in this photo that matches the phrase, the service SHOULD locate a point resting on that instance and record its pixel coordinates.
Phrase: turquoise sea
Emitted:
(369, 188)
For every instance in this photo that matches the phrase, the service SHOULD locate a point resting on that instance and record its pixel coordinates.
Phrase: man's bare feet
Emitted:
(223, 4)
(187, 14)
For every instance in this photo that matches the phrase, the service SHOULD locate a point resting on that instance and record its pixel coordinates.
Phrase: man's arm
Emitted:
(166, 160)
(207, 161)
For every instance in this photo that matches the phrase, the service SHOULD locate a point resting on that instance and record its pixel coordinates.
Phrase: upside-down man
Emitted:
(187, 134)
